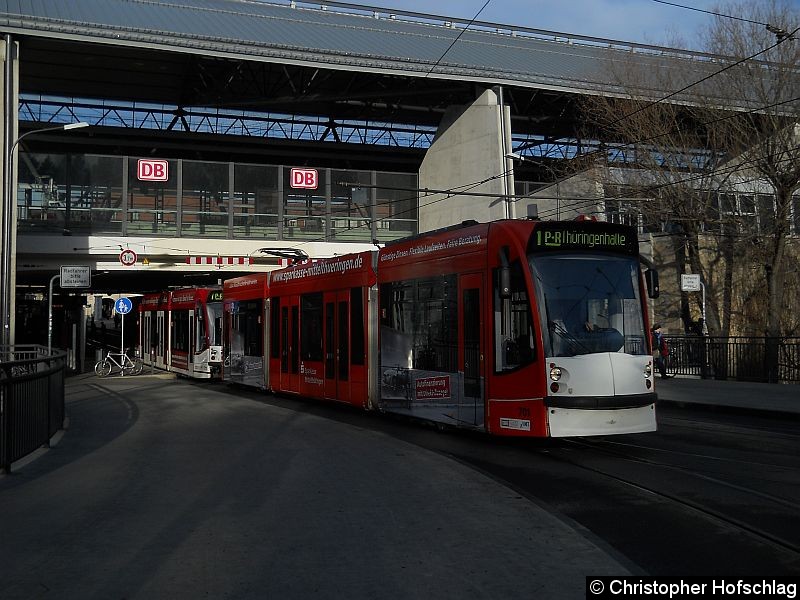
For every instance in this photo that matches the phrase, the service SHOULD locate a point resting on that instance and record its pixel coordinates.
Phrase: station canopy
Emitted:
(338, 60)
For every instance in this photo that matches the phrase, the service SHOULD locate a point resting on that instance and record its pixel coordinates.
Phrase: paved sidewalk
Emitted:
(778, 398)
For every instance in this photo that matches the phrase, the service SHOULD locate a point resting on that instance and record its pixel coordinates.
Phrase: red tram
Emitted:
(245, 308)
(323, 316)
(518, 328)
(525, 328)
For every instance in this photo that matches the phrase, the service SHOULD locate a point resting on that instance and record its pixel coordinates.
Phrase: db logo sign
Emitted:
(304, 179)
(152, 170)
(127, 258)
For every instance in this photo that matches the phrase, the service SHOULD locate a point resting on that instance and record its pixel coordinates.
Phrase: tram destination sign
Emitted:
(76, 276)
(588, 236)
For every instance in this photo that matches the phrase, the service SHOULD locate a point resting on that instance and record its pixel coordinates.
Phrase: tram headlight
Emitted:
(555, 373)
(648, 370)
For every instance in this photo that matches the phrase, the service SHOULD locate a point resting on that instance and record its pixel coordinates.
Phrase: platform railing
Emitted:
(31, 400)
(739, 358)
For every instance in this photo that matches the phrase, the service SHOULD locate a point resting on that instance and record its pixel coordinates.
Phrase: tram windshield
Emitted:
(589, 303)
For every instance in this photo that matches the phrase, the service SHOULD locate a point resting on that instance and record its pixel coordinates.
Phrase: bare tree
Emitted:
(764, 140)
(701, 130)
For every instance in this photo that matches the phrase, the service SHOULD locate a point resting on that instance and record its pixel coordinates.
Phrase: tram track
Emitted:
(710, 426)
(701, 508)
(664, 518)
(601, 446)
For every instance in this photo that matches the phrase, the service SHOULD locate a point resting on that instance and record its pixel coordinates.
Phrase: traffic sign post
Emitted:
(76, 276)
(122, 307)
(127, 258)
(690, 282)
(72, 277)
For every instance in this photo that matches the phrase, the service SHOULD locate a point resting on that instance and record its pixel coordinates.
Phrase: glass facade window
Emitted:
(766, 213)
(396, 205)
(152, 205)
(204, 200)
(93, 194)
(351, 206)
(76, 193)
(42, 193)
(304, 211)
(255, 202)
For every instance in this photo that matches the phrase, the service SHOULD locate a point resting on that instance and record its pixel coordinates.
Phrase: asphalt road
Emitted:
(162, 488)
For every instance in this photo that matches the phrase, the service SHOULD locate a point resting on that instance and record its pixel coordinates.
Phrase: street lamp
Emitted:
(7, 304)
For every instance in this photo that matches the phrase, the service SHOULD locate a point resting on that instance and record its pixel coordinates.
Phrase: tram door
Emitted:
(161, 342)
(337, 345)
(290, 343)
(471, 349)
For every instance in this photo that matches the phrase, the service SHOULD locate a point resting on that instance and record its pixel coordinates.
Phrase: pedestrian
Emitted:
(660, 350)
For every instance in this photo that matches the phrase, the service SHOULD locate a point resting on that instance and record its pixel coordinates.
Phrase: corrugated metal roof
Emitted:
(247, 29)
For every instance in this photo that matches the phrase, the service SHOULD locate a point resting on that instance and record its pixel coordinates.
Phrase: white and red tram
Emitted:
(181, 331)
(196, 332)
(516, 328)
(154, 329)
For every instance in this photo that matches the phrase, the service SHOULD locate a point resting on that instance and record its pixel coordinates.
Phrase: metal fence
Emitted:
(31, 400)
(740, 358)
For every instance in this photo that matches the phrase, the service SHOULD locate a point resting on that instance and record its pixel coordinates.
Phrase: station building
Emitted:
(208, 123)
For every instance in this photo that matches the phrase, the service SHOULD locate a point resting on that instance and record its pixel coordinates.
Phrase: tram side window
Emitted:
(357, 350)
(311, 326)
(153, 332)
(515, 344)
(251, 314)
(420, 318)
(275, 328)
(180, 330)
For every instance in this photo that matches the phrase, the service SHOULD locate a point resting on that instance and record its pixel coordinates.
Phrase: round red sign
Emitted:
(127, 257)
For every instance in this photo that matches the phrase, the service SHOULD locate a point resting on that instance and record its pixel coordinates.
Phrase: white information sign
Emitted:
(76, 276)
(690, 283)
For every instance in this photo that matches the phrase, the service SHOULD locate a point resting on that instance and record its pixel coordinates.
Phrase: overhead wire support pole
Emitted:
(9, 201)
(6, 225)
(50, 314)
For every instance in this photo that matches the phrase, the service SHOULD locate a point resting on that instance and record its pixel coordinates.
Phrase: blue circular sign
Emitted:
(123, 306)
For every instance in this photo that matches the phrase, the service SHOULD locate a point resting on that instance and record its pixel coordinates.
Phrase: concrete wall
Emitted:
(581, 194)
(467, 154)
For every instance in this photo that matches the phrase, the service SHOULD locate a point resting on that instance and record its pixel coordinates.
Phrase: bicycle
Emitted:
(126, 365)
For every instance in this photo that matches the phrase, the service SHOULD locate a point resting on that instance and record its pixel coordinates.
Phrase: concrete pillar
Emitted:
(468, 154)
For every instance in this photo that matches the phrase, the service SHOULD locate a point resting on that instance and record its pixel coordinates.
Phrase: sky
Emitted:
(641, 21)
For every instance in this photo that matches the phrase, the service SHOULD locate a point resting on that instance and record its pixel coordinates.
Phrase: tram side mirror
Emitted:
(651, 281)
(504, 275)
(505, 283)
